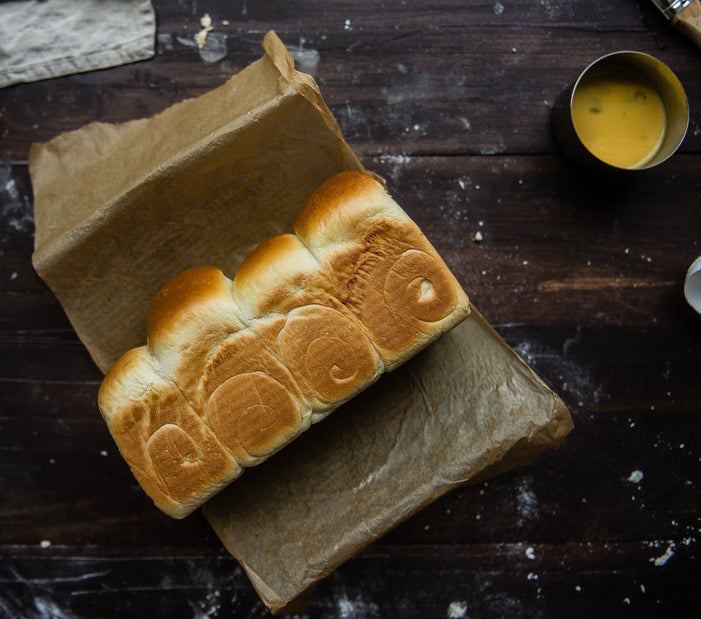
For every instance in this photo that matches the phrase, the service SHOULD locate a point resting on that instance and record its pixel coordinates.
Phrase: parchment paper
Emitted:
(201, 183)
(121, 209)
(463, 410)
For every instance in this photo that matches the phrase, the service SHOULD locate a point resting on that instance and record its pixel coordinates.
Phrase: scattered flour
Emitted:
(635, 477)
(209, 607)
(457, 610)
(467, 125)
(664, 557)
(356, 607)
(306, 60)
(16, 210)
(527, 502)
(165, 40)
(575, 379)
(398, 163)
(552, 9)
(530, 553)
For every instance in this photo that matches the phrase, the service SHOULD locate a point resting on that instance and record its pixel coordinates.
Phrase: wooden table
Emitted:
(449, 101)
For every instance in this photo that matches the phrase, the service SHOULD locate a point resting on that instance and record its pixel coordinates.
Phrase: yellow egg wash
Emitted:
(619, 117)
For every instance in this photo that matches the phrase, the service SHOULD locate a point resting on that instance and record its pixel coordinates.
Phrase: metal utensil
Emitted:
(684, 15)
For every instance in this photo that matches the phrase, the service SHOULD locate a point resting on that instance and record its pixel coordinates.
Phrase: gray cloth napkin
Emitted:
(40, 39)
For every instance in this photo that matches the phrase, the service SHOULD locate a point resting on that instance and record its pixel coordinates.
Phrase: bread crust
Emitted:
(173, 454)
(234, 369)
(382, 266)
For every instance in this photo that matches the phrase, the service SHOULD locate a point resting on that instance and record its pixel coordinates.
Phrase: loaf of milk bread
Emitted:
(234, 369)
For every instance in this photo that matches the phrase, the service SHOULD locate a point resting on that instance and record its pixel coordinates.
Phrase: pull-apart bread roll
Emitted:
(383, 267)
(233, 370)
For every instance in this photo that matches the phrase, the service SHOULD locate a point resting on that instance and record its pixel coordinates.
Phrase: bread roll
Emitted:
(176, 458)
(188, 317)
(291, 303)
(235, 369)
(383, 267)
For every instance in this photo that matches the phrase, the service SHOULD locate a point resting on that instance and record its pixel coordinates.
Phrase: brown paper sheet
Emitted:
(175, 191)
(120, 209)
(463, 410)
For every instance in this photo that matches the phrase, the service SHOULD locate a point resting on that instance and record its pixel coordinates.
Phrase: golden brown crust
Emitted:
(179, 299)
(244, 380)
(189, 316)
(234, 370)
(175, 457)
(279, 275)
(329, 354)
(383, 268)
(328, 202)
(291, 303)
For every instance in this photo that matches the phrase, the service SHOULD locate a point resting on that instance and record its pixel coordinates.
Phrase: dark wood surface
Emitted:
(450, 101)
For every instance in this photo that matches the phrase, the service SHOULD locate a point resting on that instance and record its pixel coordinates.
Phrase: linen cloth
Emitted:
(41, 39)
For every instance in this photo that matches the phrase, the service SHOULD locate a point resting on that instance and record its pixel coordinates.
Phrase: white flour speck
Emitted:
(530, 553)
(16, 210)
(527, 505)
(498, 8)
(457, 610)
(45, 543)
(357, 607)
(492, 148)
(551, 8)
(635, 477)
(306, 60)
(664, 557)
(398, 162)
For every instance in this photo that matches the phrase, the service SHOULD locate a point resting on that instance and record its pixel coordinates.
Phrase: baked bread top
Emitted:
(234, 369)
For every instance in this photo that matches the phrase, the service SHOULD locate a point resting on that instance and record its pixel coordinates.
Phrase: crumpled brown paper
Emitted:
(461, 411)
(121, 209)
